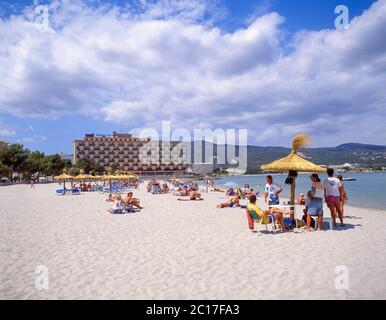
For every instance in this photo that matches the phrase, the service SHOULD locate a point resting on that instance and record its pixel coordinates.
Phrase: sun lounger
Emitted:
(253, 218)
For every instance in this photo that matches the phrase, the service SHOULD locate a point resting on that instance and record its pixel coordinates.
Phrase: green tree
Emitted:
(55, 165)
(98, 169)
(114, 168)
(5, 171)
(74, 171)
(35, 164)
(86, 165)
(14, 156)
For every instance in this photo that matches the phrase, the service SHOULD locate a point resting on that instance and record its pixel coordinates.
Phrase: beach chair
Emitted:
(329, 221)
(253, 218)
(59, 192)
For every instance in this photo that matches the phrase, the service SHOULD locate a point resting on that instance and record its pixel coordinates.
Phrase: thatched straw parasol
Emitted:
(293, 163)
(64, 176)
(81, 176)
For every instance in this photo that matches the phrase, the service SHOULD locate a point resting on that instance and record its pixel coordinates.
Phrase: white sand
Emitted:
(177, 250)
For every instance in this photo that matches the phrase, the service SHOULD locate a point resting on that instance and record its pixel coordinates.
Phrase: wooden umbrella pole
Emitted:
(293, 186)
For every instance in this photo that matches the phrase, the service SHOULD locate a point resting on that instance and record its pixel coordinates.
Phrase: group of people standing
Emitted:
(330, 190)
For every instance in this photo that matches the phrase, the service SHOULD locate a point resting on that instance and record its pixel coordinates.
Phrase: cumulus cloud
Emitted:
(6, 131)
(167, 60)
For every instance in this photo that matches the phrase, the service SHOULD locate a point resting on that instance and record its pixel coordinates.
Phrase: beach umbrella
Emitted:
(81, 177)
(63, 178)
(232, 185)
(293, 163)
(96, 177)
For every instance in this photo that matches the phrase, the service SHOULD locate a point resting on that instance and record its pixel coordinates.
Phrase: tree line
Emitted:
(14, 158)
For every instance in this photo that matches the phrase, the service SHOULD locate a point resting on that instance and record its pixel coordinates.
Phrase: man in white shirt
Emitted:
(272, 191)
(333, 192)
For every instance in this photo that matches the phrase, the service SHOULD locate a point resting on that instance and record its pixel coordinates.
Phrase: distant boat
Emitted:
(349, 179)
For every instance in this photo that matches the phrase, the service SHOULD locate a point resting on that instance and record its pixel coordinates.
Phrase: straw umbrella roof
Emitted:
(63, 176)
(109, 177)
(293, 161)
(81, 177)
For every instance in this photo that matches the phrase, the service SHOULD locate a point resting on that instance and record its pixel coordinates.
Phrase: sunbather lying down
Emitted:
(233, 202)
(193, 195)
(218, 190)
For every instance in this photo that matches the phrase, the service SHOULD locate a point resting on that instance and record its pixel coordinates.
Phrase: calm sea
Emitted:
(368, 191)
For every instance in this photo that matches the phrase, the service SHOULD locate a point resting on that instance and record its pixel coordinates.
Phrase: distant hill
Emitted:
(353, 153)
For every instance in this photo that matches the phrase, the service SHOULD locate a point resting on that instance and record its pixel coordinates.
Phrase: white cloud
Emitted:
(167, 60)
(6, 131)
(35, 138)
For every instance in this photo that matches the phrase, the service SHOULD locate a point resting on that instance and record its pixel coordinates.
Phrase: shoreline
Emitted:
(282, 198)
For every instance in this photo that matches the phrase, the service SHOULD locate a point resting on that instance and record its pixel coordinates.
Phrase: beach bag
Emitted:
(288, 222)
(300, 223)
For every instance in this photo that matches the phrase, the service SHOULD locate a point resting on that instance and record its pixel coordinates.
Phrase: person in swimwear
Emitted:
(233, 202)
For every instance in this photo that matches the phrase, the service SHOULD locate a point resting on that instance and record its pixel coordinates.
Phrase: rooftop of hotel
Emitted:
(115, 136)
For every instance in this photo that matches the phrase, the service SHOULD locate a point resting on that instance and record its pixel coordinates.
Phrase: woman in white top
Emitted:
(118, 207)
(315, 206)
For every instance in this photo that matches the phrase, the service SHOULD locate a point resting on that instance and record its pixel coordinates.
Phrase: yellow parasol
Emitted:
(81, 177)
(294, 162)
(64, 176)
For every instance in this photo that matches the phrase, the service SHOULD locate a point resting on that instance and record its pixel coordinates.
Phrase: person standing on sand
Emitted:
(272, 191)
(333, 192)
(315, 204)
(345, 198)
(32, 184)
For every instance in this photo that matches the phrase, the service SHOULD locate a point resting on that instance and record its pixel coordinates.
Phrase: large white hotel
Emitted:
(132, 154)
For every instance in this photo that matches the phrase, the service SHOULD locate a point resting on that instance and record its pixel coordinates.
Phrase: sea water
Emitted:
(368, 191)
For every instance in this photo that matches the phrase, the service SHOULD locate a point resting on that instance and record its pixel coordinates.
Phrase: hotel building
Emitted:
(3, 144)
(132, 154)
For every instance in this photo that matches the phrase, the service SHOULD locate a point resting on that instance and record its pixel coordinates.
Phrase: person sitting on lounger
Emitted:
(130, 200)
(233, 202)
(272, 214)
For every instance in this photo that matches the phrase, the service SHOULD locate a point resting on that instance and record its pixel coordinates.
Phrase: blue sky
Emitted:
(53, 93)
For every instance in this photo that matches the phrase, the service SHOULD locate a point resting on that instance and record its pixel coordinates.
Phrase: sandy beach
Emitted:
(177, 250)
